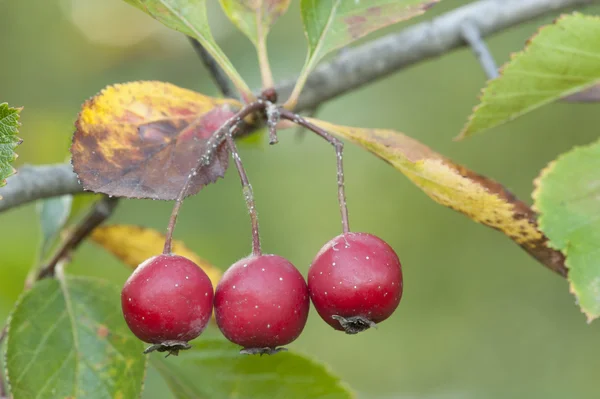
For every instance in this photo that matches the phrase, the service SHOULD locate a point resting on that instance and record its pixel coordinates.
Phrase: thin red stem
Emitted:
(248, 194)
(339, 149)
(204, 160)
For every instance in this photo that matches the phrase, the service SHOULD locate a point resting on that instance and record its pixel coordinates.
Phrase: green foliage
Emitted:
(54, 213)
(331, 24)
(214, 369)
(67, 338)
(563, 58)
(189, 17)
(9, 125)
(255, 18)
(567, 197)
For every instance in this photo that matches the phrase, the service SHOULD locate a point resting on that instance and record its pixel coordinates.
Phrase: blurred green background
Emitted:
(479, 317)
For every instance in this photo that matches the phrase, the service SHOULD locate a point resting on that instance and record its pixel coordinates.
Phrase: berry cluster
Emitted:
(262, 301)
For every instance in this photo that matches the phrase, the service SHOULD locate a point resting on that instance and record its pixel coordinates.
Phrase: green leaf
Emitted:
(68, 339)
(214, 369)
(331, 24)
(53, 213)
(255, 17)
(567, 196)
(9, 127)
(561, 59)
(189, 17)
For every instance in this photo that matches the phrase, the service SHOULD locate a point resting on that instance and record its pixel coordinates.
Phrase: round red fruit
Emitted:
(167, 301)
(261, 303)
(355, 282)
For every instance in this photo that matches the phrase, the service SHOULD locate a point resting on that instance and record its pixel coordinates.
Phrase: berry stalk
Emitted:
(339, 149)
(248, 194)
(204, 160)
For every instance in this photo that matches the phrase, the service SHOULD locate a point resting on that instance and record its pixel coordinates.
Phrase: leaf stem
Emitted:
(248, 194)
(205, 159)
(99, 213)
(339, 149)
(265, 68)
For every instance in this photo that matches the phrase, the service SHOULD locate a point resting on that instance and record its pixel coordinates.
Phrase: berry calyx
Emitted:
(261, 303)
(167, 301)
(355, 282)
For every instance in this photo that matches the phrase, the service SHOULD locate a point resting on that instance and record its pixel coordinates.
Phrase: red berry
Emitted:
(355, 281)
(261, 303)
(167, 301)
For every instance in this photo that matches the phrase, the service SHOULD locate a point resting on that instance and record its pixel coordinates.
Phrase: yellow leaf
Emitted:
(135, 244)
(481, 199)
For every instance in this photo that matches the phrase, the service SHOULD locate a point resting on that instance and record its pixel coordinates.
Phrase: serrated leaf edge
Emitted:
(18, 141)
(537, 183)
(464, 133)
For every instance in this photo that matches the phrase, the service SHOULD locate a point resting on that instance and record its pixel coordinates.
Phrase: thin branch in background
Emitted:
(472, 36)
(98, 214)
(339, 149)
(221, 80)
(388, 54)
(353, 68)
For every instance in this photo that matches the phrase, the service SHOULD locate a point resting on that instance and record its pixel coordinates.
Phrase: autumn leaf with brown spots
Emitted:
(478, 197)
(142, 139)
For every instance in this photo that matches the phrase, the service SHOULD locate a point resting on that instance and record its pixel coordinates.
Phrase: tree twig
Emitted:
(364, 64)
(215, 70)
(98, 214)
(353, 68)
(472, 36)
(32, 183)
